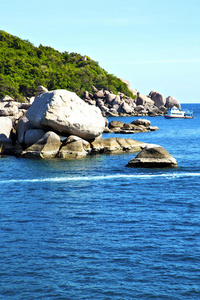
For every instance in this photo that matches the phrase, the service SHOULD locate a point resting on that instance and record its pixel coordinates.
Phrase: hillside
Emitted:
(23, 67)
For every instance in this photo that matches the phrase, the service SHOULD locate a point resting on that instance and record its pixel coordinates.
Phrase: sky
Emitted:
(154, 44)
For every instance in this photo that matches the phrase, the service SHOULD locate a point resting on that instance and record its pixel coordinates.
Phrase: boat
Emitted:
(175, 112)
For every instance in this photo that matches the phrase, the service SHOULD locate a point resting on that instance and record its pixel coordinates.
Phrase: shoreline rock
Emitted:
(39, 133)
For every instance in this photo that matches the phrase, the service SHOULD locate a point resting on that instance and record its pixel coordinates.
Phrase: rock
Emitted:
(6, 143)
(116, 100)
(153, 128)
(111, 145)
(6, 112)
(133, 91)
(5, 127)
(97, 144)
(106, 121)
(46, 147)
(127, 126)
(23, 125)
(107, 130)
(64, 112)
(40, 90)
(6, 98)
(171, 102)
(139, 108)
(125, 108)
(121, 145)
(153, 156)
(154, 111)
(158, 99)
(32, 136)
(24, 105)
(143, 100)
(110, 97)
(74, 148)
(115, 124)
(143, 122)
(99, 94)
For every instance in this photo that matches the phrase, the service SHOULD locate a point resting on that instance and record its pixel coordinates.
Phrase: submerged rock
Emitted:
(153, 156)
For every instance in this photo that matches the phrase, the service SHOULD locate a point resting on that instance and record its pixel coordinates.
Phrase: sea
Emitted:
(95, 229)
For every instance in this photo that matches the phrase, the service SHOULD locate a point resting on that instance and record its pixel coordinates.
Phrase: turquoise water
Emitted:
(94, 229)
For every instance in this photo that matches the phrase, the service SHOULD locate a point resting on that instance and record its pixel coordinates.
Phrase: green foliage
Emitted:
(23, 67)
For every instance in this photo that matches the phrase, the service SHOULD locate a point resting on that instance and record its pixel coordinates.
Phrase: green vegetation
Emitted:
(23, 67)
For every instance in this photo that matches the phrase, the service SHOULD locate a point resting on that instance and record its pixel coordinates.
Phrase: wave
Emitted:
(103, 177)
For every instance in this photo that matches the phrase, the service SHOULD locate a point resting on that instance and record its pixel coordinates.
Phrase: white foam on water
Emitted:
(103, 177)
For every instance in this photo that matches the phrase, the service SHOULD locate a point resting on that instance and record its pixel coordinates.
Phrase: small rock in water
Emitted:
(153, 156)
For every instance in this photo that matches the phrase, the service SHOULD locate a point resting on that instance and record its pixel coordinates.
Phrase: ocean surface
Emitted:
(95, 229)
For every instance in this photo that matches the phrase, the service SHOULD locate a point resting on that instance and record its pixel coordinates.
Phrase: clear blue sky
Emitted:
(154, 44)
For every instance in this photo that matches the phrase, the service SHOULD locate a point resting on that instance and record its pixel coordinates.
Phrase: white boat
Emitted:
(175, 112)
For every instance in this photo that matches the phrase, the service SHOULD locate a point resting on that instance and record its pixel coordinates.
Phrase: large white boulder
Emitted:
(66, 113)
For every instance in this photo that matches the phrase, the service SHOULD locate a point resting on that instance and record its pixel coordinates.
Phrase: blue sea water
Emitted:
(95, 229)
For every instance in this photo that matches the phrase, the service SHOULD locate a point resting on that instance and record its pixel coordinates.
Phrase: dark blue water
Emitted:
(94, 229)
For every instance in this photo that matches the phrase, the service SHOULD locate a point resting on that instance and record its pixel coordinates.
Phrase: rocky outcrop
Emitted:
(153, 156)
(65, 113)
(60, 124)
(171, 102)
(139, 125)
(120, 105)
(158, 99)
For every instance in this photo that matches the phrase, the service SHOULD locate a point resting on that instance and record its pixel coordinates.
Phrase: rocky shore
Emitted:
(59, 124)
(110, 104)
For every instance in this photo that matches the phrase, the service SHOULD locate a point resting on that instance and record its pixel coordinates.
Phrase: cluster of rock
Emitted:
(110, 104)
(139, 125)
(58, 124)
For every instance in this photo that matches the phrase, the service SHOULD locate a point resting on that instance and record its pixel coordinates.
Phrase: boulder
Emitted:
(159, 100)
(153, 156)
(99, 94)
(97, 144)
(64, 112)
(5, 127)
(23, 125)
(116, 100)
(143, 100)
(6, 143)
(143, 122)
(125, 108)
(74, 148)
(32, 136)
(171, 102)
(115, 124)
(46, 147)
(110, 97)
